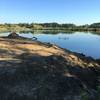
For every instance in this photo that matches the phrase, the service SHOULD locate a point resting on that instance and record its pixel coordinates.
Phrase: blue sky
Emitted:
(61, 11)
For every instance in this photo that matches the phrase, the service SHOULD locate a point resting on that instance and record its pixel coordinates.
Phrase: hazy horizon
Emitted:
(46, 11)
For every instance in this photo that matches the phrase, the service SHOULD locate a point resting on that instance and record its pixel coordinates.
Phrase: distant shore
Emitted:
(25, 27)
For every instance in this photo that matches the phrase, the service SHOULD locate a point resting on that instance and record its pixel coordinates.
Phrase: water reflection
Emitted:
(48, 32)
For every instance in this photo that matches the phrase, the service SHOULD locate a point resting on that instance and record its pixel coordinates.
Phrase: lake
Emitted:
(82, 42)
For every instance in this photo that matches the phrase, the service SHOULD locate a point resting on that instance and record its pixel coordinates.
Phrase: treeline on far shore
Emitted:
(25, 27)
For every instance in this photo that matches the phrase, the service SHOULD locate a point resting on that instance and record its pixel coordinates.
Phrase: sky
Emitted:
(41, 11)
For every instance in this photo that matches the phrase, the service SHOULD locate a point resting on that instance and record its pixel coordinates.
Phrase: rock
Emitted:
(13, 35)
(34, 38)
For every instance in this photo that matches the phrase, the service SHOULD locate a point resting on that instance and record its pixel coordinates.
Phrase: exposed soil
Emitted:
(31, 70)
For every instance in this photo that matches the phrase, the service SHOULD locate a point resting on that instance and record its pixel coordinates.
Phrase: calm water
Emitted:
(86, 43)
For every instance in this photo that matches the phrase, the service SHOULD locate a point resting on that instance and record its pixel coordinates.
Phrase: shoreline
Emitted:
(28, 67)
(54, 31)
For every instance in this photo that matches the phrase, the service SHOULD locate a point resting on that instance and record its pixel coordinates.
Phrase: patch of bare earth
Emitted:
(31, 70)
